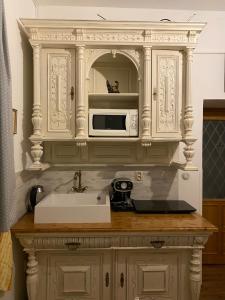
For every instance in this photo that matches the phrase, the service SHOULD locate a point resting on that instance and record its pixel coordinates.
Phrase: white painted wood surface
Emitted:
(147, 58)
(112, 266)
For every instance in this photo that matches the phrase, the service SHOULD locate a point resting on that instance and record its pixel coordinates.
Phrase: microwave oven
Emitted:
(113, 122)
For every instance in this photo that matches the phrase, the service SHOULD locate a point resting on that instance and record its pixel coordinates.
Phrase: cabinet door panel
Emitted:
(80, 276)
(152, 275)
(57, 80)
(167, 93)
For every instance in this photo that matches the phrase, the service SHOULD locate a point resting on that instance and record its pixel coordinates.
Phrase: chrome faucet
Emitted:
(79, 188)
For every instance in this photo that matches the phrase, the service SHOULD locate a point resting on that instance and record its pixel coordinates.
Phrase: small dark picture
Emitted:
(112, 88)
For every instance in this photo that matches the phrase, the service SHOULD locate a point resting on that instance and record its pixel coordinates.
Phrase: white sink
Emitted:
(87, 207)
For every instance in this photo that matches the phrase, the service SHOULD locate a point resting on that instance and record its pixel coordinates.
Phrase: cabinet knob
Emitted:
(107, 279)
(154, 93)
(121, 280)
(72, 245)
(157, 244)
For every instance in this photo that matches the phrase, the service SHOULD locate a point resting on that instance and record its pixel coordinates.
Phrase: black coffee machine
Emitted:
(120, 194)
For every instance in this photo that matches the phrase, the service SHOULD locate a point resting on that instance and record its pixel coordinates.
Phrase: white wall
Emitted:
(21, 69)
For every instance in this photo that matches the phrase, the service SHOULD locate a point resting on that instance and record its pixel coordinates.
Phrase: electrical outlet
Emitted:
(139, 175)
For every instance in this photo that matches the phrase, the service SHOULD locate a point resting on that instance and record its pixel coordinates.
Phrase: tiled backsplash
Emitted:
(214, 159)
(156, 183)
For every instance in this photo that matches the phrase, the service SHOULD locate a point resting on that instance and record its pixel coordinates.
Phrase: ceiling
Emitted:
(218, 5)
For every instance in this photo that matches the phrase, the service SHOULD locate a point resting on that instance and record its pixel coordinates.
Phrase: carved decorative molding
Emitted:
(111, 35)
(93, 54)
(53, 35)
(118, 241)
(59, 104)
(167, 97)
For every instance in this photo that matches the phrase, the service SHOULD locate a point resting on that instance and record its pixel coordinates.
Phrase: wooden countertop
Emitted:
(122, 222)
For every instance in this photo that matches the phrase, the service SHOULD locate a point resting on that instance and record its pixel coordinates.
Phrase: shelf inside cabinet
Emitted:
(113, 139)
(113, 100)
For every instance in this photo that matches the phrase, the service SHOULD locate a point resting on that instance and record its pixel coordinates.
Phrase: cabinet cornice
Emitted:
(113, 32)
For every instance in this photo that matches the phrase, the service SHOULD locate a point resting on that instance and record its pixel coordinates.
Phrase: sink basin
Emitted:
(88, 207)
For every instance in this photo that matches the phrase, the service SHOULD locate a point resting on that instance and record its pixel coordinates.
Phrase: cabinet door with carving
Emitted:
(166, 94)
(57, 93)
(82, 276)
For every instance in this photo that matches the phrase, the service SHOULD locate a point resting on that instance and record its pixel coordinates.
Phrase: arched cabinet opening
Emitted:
(113, 82)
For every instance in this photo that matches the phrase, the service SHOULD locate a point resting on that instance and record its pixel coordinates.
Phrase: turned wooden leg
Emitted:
(32, 275)
(195, 274)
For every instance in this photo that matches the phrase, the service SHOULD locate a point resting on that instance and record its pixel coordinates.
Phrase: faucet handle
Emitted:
(85, 188)
(81, 189)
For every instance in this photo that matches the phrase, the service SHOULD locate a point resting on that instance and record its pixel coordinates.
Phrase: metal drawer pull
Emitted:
(73, 245)
(121, 280)
(107, 279)
(157, 244)
(72, 93)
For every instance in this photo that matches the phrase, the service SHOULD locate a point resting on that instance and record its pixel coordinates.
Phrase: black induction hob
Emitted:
(163, 206)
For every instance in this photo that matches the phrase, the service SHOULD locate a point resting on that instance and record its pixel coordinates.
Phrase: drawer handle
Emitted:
(107, 279)
(121, 280)
(73, 245)
(72, 93)
(157, 244)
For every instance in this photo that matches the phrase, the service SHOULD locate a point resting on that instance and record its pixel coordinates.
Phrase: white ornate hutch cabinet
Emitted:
(152, 63)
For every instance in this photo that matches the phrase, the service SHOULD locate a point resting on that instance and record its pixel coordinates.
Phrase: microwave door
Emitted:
(109, 125)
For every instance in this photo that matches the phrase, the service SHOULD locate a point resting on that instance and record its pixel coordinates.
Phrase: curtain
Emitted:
(7, 173)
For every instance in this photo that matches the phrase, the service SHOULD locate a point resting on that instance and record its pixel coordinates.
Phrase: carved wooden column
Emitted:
(146, 106)
(188, 114)
(32, 275)
(81, 129)
(195, 273)
(36, 138)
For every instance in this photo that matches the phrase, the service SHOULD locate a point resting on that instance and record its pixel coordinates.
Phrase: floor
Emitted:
(213, 282)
